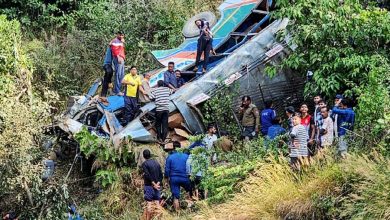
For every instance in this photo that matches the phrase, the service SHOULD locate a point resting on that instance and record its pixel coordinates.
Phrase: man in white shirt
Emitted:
(326, 130)
(209, 140)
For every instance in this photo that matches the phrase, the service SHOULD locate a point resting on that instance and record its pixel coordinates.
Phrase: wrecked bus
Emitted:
(245, 40)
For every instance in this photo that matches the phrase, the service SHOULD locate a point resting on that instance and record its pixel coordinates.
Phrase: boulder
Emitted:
(175, 121)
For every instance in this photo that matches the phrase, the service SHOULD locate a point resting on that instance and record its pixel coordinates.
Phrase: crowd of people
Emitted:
(136, 89)
(178, 172)
(307, 134)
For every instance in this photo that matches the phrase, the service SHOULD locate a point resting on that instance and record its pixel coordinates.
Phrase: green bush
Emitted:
(332, 41)
(23, 113)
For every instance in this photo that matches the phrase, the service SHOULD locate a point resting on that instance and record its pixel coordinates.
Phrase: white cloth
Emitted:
(327, 139)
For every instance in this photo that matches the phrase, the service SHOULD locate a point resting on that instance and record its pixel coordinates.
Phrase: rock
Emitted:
(175, 121)
(225, 144)
(181, 133)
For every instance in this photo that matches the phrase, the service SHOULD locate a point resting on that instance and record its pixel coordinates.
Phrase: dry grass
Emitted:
(274, 191)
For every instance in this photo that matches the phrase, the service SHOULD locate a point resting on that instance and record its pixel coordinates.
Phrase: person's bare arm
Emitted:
(313, 133)
(141, 89)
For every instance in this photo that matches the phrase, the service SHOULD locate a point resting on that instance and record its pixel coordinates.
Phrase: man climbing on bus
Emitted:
(205, 44)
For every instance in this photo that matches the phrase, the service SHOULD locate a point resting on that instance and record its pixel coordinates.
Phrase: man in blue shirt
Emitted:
(275, 130)
(179, 79)
(170, 80)
(175, 171)
(346, 120)
(267, 115)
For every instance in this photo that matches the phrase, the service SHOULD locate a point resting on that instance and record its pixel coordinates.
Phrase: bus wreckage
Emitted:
(244, 47)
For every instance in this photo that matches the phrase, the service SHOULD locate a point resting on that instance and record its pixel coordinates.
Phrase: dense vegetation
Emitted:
(51, 49)
(346, 45)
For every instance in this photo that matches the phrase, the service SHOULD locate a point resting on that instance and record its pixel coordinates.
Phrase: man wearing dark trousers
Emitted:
(133, 84)
(117, 46)
(250, 118)
(108, 72)
(161, 97)
(152, 184)
(176, 173)
(205, 44)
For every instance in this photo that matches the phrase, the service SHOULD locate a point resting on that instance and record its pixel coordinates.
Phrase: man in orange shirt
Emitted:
(117, 46)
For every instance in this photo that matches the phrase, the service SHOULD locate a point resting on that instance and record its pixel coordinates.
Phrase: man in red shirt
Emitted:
(308, 122)
(118, 54)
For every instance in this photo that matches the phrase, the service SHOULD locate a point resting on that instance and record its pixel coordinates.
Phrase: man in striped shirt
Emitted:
(298, 148)
(160, 95)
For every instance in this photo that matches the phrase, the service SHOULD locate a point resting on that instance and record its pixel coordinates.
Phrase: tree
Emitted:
(346, 45)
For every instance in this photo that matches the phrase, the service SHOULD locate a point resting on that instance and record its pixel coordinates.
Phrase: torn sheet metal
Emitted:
(275, 50)
(71, 126)
(198, 99)
(114, 103)
(136, 131)
(93, 89)
(232, 78)
(83, 101)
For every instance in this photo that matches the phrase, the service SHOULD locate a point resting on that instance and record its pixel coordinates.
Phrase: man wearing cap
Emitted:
(117, 46)
(152, 183)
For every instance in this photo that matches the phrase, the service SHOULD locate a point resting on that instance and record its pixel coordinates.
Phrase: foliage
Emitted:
(200, 161)
(222, 180)
(39, 14)
(345, 44)
(23, 112)
(68, 61)
(332, 39)
(219, 109)
(120, 200)
(107, 158)
(102, 149)
(196, 138)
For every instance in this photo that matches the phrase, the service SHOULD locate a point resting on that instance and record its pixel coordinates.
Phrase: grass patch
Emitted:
(356, 188)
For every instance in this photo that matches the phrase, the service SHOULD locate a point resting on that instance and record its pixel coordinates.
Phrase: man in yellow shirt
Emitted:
(133, 83)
